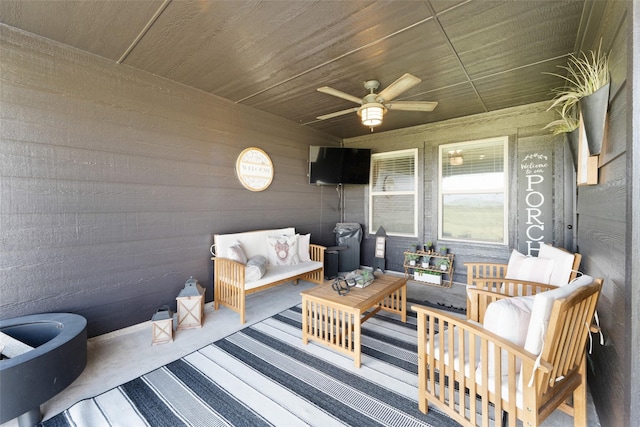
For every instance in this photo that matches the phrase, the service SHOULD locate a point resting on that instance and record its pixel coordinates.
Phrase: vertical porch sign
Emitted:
(535, 201)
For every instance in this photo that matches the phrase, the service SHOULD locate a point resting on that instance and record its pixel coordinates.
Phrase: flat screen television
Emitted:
(338, 165)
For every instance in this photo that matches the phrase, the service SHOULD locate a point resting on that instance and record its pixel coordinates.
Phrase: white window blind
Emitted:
(393, 193)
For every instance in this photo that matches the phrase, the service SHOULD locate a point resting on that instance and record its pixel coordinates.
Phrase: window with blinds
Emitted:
(393, 193)
(473, 200)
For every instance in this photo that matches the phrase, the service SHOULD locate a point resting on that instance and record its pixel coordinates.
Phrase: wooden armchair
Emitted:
(492, 277)
(458, 373)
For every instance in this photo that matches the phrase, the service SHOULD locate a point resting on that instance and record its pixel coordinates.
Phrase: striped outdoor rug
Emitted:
(264, 376)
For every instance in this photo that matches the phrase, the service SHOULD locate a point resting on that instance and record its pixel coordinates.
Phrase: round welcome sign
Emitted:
(254, 169)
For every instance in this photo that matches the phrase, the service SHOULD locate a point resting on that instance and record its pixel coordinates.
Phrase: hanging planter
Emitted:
(573, 138)
(587, 83)
(594, 113)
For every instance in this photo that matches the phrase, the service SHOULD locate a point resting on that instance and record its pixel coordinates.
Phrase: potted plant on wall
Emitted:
(587, 84)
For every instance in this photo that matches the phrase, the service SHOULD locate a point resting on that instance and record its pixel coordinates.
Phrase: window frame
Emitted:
(443, 151)
(410, 152)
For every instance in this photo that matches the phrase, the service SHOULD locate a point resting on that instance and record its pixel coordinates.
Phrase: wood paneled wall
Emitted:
(605, 236)
(632, 255)
(113, 182)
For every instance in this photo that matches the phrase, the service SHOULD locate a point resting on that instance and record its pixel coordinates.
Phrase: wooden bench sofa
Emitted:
(281, 255)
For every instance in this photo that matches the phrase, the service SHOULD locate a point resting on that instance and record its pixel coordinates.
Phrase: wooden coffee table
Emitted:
(335, 320)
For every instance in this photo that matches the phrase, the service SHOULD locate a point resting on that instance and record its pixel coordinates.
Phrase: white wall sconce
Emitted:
(455, 158)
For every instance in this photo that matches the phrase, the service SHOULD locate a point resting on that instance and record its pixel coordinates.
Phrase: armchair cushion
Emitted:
(509, 318)
(563, 263)
(531, 269)
(541, 311)
(444, 357)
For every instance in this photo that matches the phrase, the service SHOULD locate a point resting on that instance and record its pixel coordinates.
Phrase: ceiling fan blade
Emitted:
(411, 105)
(340, 94)
(338, 113)
(405, 82)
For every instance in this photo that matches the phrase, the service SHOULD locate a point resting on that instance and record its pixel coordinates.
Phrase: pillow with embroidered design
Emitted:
(283, 250)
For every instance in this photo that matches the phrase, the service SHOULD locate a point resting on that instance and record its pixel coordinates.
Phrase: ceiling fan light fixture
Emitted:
(371, 114)
(374, 106)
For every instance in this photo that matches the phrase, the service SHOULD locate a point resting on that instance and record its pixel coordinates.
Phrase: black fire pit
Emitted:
(59, 356)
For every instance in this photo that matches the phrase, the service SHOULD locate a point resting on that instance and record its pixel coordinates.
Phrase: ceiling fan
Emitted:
(373, 106)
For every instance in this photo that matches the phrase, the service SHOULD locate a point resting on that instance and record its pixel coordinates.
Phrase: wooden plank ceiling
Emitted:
(472, 56)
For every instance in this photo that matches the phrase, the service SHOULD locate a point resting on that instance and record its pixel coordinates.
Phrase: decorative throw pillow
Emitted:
(283, 250)
(531, 269)
(303, 247)
(236, 253)
(541, 311)
(509, 318)
(255, 268)
(563, 263)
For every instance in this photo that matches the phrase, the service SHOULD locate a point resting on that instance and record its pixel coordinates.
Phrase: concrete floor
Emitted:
(123, 355)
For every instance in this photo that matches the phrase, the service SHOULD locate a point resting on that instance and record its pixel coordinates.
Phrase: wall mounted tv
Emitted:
(338, 165)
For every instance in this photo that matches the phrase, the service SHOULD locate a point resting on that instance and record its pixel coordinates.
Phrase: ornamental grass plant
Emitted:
(586, 73)
(568, 122)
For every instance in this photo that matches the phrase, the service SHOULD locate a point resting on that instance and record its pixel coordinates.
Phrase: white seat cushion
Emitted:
(504, 382)
(467, 365)
(563, 263)
(455, 358)
(279, 272)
